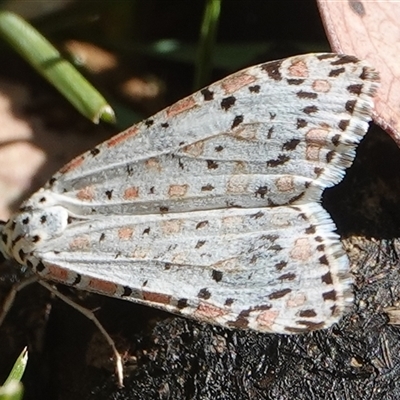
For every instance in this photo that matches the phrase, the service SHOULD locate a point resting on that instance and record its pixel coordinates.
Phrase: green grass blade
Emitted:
(208, 35)
(18, 369)
(47, 60)
(12, 391)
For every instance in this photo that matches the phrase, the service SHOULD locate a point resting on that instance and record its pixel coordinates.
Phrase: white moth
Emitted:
(211, 208)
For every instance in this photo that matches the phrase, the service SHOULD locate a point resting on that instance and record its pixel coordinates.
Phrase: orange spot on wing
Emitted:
(316, 135)
(321, 85)
(299, 69)
(131, 193)
(301, 250)
(86, 194)
(177, 190)
(159, 298)
(209, 312)
(141, 253)
(285, 183)
(101, 286)
(195, 149)
(181, 106)
(80, 243)
(125, 233)
(153, 164)
(171, 227)
(75, 163)
(129, 133)
(312, 152)
(57, 273)
(237, 81)
(237, 184)
(248, 132)
(296, 300)
(267, 318)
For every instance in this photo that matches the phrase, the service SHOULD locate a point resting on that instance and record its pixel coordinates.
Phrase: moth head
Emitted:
(30, 230)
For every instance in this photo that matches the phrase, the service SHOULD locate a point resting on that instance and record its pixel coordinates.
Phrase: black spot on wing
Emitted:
(291, 144)
(279, 294)
(211, 164)
(295, 82)
(182, 303)
(343, 124)
(350, 105)
(310, 109)
(237, 121)
(228, 102)
(201, 224)
(207, 94)
(282, 159)
(301, 123)
(127, 291)
(355, 89)
(216, 275)
(306, 95)
(94, 152)
(254, 89)
(336, 72)
(273, 70)
(204, 294)
(310, 313)
(77, 280)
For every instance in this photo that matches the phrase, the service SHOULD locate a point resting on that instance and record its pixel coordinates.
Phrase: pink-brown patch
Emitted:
(179, 258)
(181, 106)
(158, 298)
(321, 86)
(171, 227)
(129, 133)
(236, 82)
(86, 194)
(317, 136)
(230, 264)
(298, 69)
(80, 243)
(285, 183)
(98, 285)
(248, 132)
(141, 253)
(296, 300)
(195, 149)
(240, 168)
(125, 233)
(209, 312)
(312, 152)
(267, 318)
(153, 164)
(301, 250)
(279, 221)
(131, 193)
(75, 163)
(237, 184)
(56, 273)
(232, 222)
(175, 191)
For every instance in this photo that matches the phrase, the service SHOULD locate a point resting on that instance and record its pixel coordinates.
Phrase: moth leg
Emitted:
(9, 300)
(89, 314)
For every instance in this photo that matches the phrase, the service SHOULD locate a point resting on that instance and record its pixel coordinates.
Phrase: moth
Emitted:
(211, 208)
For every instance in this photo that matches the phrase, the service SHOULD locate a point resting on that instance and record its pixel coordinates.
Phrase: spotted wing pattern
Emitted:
(210, 209)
